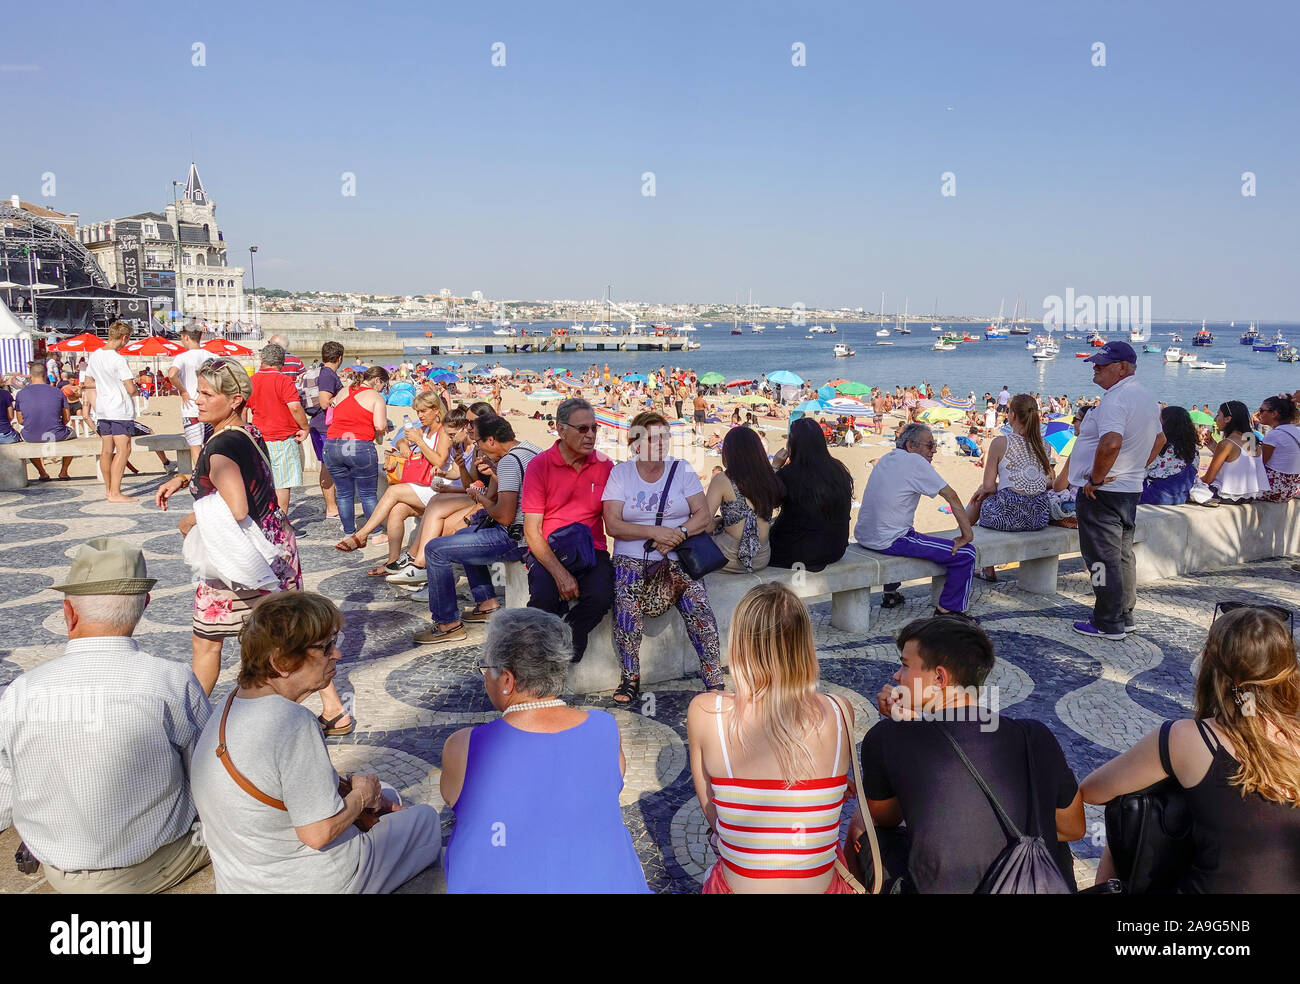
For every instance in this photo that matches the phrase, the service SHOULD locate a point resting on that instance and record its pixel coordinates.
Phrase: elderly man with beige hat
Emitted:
(95, 744)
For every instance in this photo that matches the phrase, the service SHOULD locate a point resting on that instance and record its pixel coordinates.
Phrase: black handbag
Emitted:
(699, 555)
(1150, 832)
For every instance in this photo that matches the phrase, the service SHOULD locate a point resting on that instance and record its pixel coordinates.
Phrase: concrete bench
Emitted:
(168, 442)
(14, 457)
(1169, 541)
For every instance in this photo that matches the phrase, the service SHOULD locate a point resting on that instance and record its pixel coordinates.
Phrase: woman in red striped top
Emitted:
(770, 760)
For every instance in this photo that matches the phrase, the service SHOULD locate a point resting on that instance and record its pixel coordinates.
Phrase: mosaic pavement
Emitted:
(1096, 697)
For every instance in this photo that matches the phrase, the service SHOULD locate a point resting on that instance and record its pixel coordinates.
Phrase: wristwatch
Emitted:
(683, 531)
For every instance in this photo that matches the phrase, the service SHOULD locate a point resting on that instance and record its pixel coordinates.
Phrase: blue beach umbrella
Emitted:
(1059, 440)
(634, 378)
(444, 377)
(810, 406)
(1056, 426)
(827, 393)
(784, 377)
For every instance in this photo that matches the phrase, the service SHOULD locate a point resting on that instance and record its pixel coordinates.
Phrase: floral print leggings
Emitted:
(692, 602)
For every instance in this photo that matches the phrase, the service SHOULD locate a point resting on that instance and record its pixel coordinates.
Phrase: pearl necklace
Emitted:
(534, 705)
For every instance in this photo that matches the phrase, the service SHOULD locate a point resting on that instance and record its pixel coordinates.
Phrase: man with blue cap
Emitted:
(1107, 465)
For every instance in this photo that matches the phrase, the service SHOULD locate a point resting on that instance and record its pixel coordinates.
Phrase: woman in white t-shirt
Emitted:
(647, 576)
(1281, 447)
(1236, 471)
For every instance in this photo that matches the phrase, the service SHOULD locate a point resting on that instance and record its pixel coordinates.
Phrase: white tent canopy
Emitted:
(9, 323)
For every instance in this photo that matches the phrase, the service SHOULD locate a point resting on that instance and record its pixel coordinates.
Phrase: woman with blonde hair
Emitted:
(1017, 474)
(1237, 759)
(770, 761)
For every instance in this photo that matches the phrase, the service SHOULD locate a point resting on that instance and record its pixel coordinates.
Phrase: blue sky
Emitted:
(818, 184)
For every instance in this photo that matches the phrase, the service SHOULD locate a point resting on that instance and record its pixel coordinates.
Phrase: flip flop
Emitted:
(344, 548)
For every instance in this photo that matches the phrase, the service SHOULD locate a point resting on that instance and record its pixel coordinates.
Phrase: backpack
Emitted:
(1026, 865)
(308, 384)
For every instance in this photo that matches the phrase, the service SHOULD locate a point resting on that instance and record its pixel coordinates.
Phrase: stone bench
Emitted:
(1169, 541)
(14, 457)
(168, 442)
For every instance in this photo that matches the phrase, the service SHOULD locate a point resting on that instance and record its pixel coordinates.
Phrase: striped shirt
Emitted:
(768, 829)
(94, 750)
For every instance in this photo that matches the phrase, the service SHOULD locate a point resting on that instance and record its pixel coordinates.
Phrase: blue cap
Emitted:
(1113, 352)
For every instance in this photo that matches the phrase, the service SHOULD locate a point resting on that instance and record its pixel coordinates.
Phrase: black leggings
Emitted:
(595, 598)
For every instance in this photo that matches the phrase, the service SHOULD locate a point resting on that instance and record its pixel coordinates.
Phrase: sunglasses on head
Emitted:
(1277, 611)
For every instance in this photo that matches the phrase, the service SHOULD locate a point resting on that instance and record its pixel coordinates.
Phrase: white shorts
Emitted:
(194, 435)
(424, 493)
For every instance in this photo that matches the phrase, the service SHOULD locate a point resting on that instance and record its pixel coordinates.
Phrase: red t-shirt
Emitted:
(272, 393)
(553, 488)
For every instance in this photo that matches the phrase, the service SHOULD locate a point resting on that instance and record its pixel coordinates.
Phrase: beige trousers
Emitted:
(170, 865)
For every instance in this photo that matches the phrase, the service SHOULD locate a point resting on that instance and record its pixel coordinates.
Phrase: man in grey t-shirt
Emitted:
(475, 549)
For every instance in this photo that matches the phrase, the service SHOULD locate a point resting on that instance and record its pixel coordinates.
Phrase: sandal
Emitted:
(357, 543)
(332, 728)
(629, 690)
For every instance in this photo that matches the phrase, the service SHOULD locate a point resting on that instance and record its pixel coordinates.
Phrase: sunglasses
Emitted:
(1277, 611)
(583, 428)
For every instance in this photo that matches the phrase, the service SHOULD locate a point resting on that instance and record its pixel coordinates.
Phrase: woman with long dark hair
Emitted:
(1281, 448)
(746, 492)
(813, 527)
(1236, 472)
(1171, 472)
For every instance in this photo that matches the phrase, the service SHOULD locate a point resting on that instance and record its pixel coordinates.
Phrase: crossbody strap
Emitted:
(663, 497)
(1163, 744)
(1008, 825)
(242, 781)
(877, 866)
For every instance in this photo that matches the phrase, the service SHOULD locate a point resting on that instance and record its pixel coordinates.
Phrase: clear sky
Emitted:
(819, 183)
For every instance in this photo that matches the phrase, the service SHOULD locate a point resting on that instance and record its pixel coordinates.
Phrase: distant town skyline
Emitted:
(689, 154)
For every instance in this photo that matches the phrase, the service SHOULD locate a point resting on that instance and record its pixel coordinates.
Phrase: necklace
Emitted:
(534, 705)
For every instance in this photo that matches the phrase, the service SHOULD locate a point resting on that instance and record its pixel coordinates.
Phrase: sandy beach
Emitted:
(163, 417)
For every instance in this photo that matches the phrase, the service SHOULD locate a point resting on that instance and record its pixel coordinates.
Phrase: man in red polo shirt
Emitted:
(564, 485)
(278, 415)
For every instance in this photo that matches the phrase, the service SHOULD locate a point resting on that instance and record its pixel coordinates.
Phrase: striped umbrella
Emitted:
(952, 401)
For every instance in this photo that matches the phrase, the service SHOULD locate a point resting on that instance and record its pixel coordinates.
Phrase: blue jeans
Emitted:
(354, 466)
(474, 550)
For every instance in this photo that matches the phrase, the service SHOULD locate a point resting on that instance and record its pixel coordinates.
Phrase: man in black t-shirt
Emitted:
(911, 774)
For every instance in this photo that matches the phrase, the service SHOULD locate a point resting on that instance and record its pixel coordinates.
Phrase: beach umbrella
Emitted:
(843, 405)
(853, 389)
(952, 401)
(500, 371)
(221, 347)
(543, 395)
(359, 367)
(1200, 418)
(444, 377)
(633, 377)
(1056, 427)
(810, 406)
(469, 366)
(826, 393)
(941, 414)
(712, 378)
(925, 404)
(153, 345)
(1067, 417)
(740, 382)
(837, 382)
(753, 398)
(784, 377)
(451, 365)
(1060, 440)
(558, 371)
(85, 342)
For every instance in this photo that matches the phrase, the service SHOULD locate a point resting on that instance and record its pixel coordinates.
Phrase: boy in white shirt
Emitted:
(109, 386)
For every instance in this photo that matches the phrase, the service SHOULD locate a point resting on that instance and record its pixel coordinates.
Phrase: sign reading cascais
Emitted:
(129, 279)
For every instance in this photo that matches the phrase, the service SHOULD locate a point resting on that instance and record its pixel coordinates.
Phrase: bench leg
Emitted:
(1039, 576)
(13, 474)
(184, 463)
(936, 588)
(851, 610)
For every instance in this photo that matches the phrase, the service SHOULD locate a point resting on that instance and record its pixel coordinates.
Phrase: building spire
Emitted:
(194, 187)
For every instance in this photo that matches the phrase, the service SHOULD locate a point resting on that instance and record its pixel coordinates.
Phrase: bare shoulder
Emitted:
(457, 746)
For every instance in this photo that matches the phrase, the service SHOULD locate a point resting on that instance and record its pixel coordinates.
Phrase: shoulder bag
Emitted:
(364, 822)
(1150, 832)
(658, 591)
(876, 874)
(1025, 866)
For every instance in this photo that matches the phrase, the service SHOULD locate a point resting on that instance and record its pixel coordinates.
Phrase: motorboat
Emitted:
(1152, 349)
(1208, 365)
(1250, 336)
(944, 346)
(1204, 336)
(1173, 354)
(842, 351)
(992, 334)
(882, 333)
(1278, 343)
(1043, 354)
(1096, 341)
(1289, 354)
(757, 329)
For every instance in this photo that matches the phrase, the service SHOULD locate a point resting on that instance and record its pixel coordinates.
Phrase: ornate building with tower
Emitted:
(177, 255)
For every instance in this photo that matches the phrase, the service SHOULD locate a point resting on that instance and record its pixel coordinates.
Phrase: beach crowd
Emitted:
(774, 761)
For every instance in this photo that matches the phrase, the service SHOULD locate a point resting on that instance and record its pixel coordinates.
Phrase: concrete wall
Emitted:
(310, 321)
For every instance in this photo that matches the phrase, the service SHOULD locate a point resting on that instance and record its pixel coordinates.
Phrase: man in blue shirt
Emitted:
(42, 412)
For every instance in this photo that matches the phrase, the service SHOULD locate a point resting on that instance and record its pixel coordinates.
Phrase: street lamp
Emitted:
(252, 268)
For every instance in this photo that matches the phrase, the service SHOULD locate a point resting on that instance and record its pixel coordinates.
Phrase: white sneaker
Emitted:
(420, 594)
(410, 574)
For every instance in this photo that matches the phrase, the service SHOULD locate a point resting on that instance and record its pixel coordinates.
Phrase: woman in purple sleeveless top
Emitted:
(536, 791)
